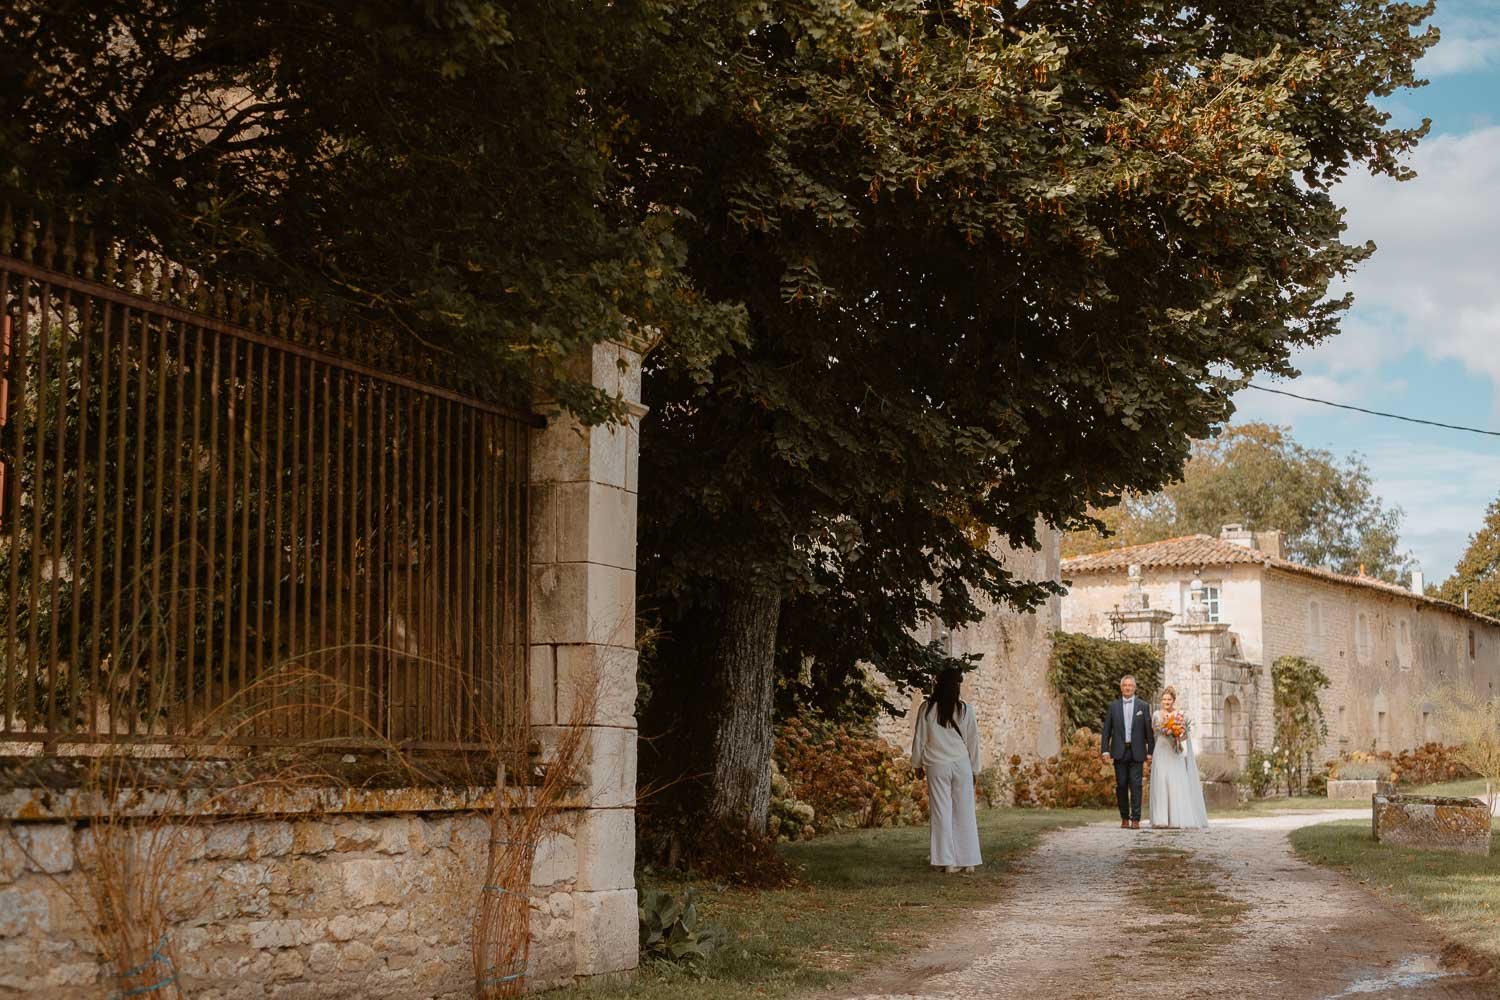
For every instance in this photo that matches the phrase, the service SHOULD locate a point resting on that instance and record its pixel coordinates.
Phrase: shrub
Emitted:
(1086, 672)
(1428, 764)
(1300, 728)
(848, 778)
(1218, 767)
(1265, 771)
(790, 818)
(992, 786)
(672, 931)
(1076, 776)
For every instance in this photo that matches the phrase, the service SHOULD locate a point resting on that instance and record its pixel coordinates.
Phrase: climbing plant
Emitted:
(1086, 672)
(1300, 726)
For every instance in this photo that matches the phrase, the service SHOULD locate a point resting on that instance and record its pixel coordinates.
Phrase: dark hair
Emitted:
(945, 697)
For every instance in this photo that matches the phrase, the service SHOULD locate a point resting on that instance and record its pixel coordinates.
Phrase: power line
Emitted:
(1375, 413)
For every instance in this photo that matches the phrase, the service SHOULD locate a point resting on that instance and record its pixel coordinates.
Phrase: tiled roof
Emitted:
(1202, 550)
(1189, 550)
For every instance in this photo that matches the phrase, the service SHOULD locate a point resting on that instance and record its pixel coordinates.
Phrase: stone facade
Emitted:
(314, 907)
(1385, 649)
(1431, 823)
(319, 897)
(1018, 711)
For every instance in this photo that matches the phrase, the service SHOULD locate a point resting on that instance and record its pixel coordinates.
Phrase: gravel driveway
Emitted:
(1098, 911)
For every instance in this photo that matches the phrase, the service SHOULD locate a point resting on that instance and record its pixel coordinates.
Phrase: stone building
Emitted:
(1224, 609)
(1018, 711)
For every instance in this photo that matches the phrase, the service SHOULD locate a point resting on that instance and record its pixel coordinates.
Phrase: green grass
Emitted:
(1459, 893)
(1262, 807)
(868, 896)
(1267, 807)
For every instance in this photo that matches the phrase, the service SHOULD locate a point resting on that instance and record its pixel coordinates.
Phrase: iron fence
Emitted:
(222, 519)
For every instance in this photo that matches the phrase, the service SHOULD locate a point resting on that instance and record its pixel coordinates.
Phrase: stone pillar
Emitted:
(1134, 620)
(1193, 655)
(582, 617)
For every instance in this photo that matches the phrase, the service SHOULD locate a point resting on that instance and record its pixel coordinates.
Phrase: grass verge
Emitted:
(1458, 893)
(868, 896)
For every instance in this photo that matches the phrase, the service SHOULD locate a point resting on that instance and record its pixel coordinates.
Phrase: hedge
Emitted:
(1086, 673)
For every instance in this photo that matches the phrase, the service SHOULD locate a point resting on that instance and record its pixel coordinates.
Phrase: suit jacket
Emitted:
(1142, 734)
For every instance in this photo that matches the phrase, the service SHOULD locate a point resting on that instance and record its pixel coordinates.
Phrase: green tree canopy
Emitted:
(1478, 571)
(1259, 476)
(449, 167)
(1000, 263)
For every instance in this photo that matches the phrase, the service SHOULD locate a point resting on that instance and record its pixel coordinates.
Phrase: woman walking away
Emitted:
(946, 745)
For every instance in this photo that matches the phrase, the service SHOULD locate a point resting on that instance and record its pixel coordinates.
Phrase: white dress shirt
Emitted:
(1129, 716)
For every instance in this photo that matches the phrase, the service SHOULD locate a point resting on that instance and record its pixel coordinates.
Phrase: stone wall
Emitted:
(1018, 711)
(1382, 686)
(313, 907)
(380, 904)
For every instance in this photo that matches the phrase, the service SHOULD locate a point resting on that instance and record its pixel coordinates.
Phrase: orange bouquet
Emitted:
(1177, 726)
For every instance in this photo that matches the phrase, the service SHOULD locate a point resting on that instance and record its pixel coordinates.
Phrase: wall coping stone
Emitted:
(216, 791)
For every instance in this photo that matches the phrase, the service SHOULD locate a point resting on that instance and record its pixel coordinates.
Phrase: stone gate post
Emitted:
(582, 621)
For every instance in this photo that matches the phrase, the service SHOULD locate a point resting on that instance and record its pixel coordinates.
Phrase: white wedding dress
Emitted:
(1176, 792)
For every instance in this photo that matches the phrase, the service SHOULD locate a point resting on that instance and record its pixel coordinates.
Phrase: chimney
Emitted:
(1418, 582)
(1269, 542)
(1236, 534)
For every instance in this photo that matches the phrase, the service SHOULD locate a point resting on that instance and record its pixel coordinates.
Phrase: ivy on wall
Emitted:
(1300, 727)
(1086, 673)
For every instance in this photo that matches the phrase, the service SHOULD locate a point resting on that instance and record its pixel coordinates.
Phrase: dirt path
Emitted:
(1228, 912)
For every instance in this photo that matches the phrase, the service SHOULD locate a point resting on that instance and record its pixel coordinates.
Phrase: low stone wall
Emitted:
(1220, 795)
(318, 907)
(1357, 789)
(1432, 823)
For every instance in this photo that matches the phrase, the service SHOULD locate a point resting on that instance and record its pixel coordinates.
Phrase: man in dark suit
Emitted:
(1129, 740)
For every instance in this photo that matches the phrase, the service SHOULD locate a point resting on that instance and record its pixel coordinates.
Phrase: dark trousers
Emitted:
(1129, 773)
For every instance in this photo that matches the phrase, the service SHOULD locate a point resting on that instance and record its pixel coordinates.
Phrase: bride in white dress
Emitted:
(1176, 792)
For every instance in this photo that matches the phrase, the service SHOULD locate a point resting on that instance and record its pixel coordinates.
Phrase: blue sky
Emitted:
(1423, 338)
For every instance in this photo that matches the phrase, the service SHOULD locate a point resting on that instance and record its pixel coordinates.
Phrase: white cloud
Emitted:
(1434, 283)
(1469, 44)
(1444, 490)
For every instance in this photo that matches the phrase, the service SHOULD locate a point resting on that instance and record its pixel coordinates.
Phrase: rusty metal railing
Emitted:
(223, 520)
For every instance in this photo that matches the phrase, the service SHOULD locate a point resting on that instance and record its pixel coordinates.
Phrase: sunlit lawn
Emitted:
(868, 896)
(1457, 892)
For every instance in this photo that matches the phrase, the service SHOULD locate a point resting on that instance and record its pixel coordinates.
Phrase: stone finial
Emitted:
(1197, 610)
(1136, 599)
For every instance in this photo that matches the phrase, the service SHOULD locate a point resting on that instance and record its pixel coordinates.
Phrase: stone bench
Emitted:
(1359, 789)
(1431, 823)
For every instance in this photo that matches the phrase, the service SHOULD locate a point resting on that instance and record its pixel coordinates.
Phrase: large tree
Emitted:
(1259, 476)
(443, 166)
(1476, 578)
(1001, 263)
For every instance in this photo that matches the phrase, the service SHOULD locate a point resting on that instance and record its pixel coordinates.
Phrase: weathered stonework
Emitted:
(1018, 711)
(1352, 789)
(1431, 823)
(327, 907)
(1383, 648)
(326, 893)
(1220, 795)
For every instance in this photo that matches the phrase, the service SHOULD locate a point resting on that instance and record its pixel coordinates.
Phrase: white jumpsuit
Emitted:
(951, 757)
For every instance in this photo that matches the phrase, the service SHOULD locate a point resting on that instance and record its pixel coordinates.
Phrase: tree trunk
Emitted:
(745, 674)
